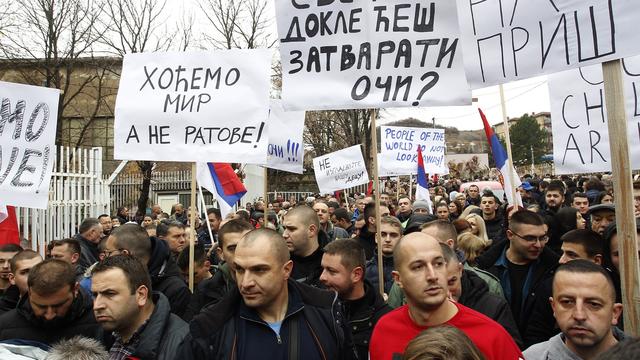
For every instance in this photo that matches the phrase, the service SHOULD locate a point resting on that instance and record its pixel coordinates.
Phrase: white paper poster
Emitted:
(194, 106)
(508, 40)
(28, 121)
(399, 146)
(340, 170)
(369, 54)
(579, 118)
(286, 149)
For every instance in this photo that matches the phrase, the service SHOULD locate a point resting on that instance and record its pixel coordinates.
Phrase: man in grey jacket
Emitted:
(141, 321)
(584, 306)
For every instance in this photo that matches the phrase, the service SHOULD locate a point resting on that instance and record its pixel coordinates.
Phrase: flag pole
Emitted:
(192, 233)
(266, 195)
(623, 188)
(507, 140)
(376, 189)
(204, 206)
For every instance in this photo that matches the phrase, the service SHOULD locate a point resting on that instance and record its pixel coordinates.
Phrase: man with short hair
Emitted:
(89, 235)
(178, 214)
(342, 219)
(523, 266)
(493, 220)
(140, 320)
(107, 225)
(305, 242)
(582, 244)
(165, 275)
(215, 288)
(421, 272)
(214, 217)
(322, 210)
(54, 309)
(442, 211)
(391, 232)
(201, 265)
(600, 216)
(7, 252)
(68, 250)
(584, 307)
(367, 236)
(21, 264)
(554, 200)
(473, 196)
(580, 202)
(404, 209)
(270, 315)
(173, 233)
(343, 266)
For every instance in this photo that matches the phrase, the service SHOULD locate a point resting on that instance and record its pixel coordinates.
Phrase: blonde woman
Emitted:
(472, 246)
(478, 227)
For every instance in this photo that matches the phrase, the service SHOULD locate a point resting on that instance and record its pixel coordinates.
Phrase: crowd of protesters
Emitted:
(464, 276)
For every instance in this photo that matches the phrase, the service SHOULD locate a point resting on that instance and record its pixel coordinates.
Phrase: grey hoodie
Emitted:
(555, 349)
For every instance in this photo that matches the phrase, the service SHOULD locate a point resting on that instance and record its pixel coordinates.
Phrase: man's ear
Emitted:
(617, 312)
(396, 278)
(450, 243)
(74, 258)
(357, 274)
(553, 305)
(12, 279)
(142, 295)
(287, 267)
(598, 259)
(220, 253)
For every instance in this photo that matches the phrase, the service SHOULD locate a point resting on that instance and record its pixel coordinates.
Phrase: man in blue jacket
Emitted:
(268, 316)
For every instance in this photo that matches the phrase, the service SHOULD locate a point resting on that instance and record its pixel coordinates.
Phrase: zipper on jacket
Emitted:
(278, 338)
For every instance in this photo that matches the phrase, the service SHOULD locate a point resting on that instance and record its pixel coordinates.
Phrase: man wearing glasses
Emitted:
(524, 267)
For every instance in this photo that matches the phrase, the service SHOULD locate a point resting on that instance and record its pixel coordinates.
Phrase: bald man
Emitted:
(269, 314)
(421, 271)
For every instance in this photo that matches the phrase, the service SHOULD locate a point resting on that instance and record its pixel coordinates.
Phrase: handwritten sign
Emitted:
(579, 118)
(507, 40)
(195, 106)
(285, 150)
(400, 148)
(366, 54)
(340, 170)
(28, 121)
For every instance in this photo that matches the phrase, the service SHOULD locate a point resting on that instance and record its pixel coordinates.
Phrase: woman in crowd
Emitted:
(478, 227)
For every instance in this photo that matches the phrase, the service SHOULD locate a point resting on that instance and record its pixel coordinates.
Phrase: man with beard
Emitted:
(554, 199)
(343, 265)
(141, 320)
(107, 225)
(54, 309)
(584, 307)
(421, 271)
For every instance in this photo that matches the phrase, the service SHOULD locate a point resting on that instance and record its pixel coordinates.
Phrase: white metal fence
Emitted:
(76, 191)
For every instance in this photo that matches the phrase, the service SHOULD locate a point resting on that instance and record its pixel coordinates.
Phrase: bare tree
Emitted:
(237, 24)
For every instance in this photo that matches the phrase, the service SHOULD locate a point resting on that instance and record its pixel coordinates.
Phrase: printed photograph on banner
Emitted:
(340, 170)
(367, 54)
(508, 40)
(285, 149)
(194, 106)
(27, 143)
(399, 146)
(579, 118)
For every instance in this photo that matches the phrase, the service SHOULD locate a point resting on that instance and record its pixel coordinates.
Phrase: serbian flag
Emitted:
(501, 158)
(9, 233)
(422, 188)
(222, 182)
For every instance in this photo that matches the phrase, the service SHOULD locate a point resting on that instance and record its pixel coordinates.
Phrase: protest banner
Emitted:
(28, 121)
(367, 54)
(193, 106)
(339, 170)
(400, 149)
(508, 40)
(581, 139)
(285, 149)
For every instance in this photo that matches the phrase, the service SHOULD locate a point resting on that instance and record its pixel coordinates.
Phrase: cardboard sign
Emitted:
(194, 106)
(579, 118)
(368, 54)
(400, 148)
(28, 121)
(286, 149)
(340, 170)
(508, 40)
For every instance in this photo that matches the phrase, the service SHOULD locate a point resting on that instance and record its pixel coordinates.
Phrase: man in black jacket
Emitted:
(54, 309)
(271, 316)
(165, 275)
(141, 321)
(305, 241)
(343, 266)
(493, 218)
(524, 267)
(89, 236)
(470, 290)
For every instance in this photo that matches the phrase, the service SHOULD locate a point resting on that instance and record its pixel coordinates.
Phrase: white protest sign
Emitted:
(285, 150)
(193, 106)
(340, 170)
(508, 40)
(400, 148)
(579, 118)
(28, 121)
(368, 54)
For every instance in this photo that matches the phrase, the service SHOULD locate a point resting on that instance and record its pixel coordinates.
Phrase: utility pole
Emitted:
(533, 162)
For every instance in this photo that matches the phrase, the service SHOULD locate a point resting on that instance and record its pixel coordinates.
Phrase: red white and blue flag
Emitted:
(422, 188)
(9, 233)
(222, 182)
(501, 158)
